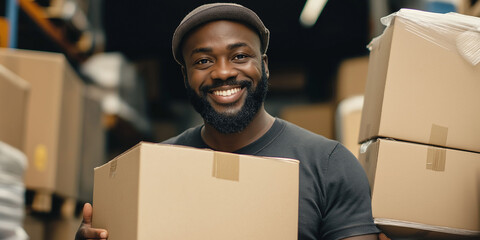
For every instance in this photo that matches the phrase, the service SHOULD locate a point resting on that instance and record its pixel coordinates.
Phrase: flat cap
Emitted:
(217, 11)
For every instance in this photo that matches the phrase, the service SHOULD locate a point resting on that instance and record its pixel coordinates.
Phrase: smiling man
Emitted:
(222, 48)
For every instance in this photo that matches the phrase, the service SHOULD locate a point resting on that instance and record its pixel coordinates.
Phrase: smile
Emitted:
(226, 93)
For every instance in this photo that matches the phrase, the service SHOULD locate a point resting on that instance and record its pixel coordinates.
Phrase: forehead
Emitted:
(218, 32)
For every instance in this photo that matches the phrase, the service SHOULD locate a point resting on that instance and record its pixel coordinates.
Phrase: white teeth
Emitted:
(225, 93)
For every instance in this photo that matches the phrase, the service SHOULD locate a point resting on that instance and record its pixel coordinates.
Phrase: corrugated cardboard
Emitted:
(428, 189)
(54, 114)
(287, 78)
(93, 152)
(34, 227)
(62, 228)
(317, 117)
(418, 91)
(351, 78)
(156, 191)
(14, 92)
(347, 122)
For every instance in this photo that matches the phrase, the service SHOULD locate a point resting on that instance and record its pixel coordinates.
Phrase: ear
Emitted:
(184, 74)
(265, 62)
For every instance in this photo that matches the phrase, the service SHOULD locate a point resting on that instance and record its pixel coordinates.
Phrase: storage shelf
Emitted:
(38, 15)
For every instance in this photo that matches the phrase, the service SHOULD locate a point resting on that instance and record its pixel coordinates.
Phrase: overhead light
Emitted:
(311, 11)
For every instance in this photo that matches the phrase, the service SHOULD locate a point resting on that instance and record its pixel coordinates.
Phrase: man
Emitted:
(222, 52)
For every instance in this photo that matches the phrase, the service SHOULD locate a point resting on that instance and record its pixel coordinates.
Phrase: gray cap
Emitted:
(217, 11)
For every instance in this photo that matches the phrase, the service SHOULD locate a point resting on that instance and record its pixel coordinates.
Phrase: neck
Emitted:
(232, 142)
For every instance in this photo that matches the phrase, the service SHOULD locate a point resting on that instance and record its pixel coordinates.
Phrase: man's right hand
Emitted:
(85, 231)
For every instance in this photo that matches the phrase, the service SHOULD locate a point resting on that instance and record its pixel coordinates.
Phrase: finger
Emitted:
(382, 236)
(87, 214)
(91, 233)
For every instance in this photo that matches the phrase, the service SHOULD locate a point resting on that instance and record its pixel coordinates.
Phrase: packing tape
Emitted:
(40, 158)
(436, 158)
(438, 135)
(113, 168)
(226, 166)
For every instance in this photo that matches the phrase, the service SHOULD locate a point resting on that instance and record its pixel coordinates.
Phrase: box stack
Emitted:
(157, 191)
(420, 126)
(44, 111)
(14, 92)
(316, 117)
(53, 124)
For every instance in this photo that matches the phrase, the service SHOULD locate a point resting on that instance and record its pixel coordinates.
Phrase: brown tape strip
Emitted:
(438, 135)
(226, 166)
(113, 168)
(436, 158)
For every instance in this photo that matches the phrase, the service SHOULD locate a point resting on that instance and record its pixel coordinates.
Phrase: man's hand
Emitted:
(85, 231)
(382, 236)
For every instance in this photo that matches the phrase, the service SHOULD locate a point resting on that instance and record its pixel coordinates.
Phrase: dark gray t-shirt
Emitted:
(334, 195)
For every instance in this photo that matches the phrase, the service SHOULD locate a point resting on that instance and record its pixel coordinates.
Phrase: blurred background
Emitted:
(126, 45)
(133, 89)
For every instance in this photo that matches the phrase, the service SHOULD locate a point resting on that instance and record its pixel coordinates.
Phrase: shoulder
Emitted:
(190, 137)
(307, 139)
(317, 149)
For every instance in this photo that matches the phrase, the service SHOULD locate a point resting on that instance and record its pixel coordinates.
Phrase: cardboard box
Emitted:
(287, 78)
(51, 228)
(347, 123)
(54, 115)
(62, 228)
(34, 227)
(317, 117)
(428, 189)
(351, 78)
(93, 152)
(14, 92)
(419, 91)
(156, 191)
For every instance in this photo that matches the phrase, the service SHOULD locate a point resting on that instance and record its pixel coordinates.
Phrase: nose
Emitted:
(223, 70)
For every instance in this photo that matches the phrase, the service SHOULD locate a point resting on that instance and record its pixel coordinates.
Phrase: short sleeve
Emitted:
(347, 207)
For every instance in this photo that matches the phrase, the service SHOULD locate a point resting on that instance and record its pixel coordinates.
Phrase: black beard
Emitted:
(230, 123)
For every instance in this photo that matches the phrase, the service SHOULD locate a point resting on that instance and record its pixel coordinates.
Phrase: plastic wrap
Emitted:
(12, 189)
(451, 31)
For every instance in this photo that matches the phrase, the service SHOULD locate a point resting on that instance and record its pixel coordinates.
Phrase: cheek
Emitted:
(254, 71)
(195, 80)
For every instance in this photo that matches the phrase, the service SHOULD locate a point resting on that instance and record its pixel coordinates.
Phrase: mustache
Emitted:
(230, 82)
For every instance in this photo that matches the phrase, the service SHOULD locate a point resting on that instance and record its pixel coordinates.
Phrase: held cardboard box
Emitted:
(14, 92)
(419, 91)
(156, 191)
(53, 125)
(421, 190)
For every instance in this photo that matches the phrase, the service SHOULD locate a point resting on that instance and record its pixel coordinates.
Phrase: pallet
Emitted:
(46, 202)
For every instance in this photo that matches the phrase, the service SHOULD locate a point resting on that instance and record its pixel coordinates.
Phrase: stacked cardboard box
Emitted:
(422, 90)
(351, 78)
(156, 191)
(53, 123)
(316, 117)
(347, 122)
(93, 153)
(14, 92)
(47, 228)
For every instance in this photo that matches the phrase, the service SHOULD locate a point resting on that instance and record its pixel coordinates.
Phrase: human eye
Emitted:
(240, 57)
(202, 61)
